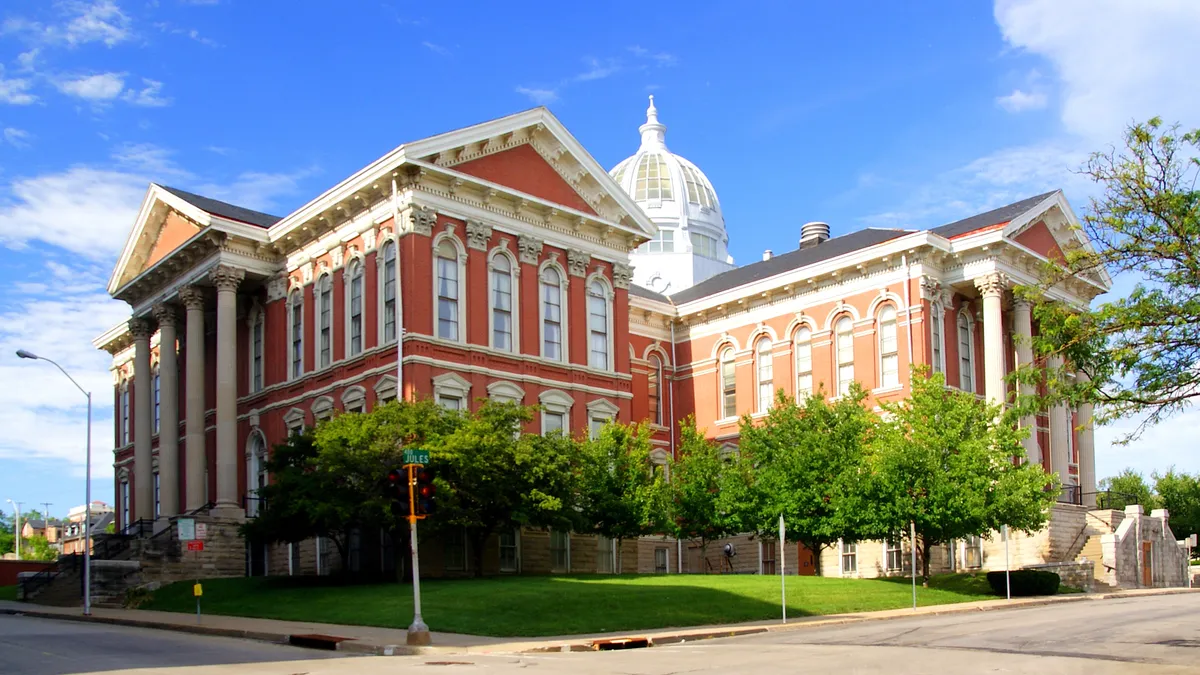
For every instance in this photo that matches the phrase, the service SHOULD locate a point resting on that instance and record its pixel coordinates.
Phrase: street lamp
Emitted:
(17, 524)
(87, 505)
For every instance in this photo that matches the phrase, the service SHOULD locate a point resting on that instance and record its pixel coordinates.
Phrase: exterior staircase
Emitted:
(1093, 553)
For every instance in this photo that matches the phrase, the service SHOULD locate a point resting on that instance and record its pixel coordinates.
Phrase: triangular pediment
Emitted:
(523, 169)
(164, 223)
(1048, 229)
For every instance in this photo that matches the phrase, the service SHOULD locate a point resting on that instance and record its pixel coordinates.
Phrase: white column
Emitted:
(227, 279)
(1060, 428)
(168, 426)
(143, 383)
(197, 459)
(1023, 337)
(992, 289)
(1087, 450)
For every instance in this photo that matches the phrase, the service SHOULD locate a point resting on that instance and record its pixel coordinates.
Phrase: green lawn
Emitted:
(8, 592)
(541, 606)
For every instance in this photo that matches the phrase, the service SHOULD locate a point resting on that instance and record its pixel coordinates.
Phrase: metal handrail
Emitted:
(1130, 499)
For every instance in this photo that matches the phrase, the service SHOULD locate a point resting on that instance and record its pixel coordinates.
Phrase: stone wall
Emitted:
(165, 559)
(1143, 543)
(1076, 574)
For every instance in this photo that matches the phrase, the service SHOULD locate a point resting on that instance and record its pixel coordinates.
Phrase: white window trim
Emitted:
(385, 388)
(563, 284)
(796, 372)
(462, 284)
(886, 550)
(721, 361)
(837, 358)
(318, 310)
(607, 294)
(556, 402)
(505, 392)
(322, 409)
(123, 424)
(841, 560)
(514, 272)
(568, 568)
(881, 385)
(964, 316)
(762, 406)
(452, 385)
(657, 372)
(938, 351)
(255, 457)
(601, 410)
(155, 399)
(354, 397)
(380, 271)
(355, 262)
(516, 532)
(291, 315)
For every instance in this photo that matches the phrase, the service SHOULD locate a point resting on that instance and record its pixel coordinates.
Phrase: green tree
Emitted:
(1125, 488)
(1140, 350)
(803, 461)
(37, 548)
(7, 538)
(693, 506)
(1179, 494)
(618, 491)
(491, 477)
(949, 463)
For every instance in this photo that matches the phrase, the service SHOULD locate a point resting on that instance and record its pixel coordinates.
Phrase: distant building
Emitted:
(49, 528)
(72, 535)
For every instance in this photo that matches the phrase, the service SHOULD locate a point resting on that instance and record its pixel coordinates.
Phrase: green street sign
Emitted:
(416, 457)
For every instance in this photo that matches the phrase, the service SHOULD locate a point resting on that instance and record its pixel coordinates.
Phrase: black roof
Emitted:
(634, 289)
(993, 217)
(225, 210)
(830, 248)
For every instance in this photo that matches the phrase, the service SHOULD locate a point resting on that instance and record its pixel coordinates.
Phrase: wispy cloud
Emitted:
(18, 138)
(538, 95)
(190, 33)
(657, 58)
(435, 48)
(94, 88)
(1020, 101)
(598, 70)
(149, 96)
(15, 91)
(79, 23)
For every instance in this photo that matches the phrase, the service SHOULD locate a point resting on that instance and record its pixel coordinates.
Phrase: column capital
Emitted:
(191, 297)
(165, 314)
(530, 249)
(140, 328)
(992, 284)
(226, 277)
(622, 275)
(577, 262)
(1020, 304)
(478, 234)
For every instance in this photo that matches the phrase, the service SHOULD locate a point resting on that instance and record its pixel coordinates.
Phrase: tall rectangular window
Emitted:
(124, 505)
(598, 324)
(157, 400)
(935, 334)
(560, 551)
(728, 385)
(764, 373)
(325, 306)
(604, 555)
(803, 350)
(256, 353)
(125, 414)
(388, 271)
(502, 305)
(509, 561)
(889, 359)
(553, 422)
(447, 291)
(845, 354)
(157, 492)
(654, 385)
(849, 558)
(661, 556)
(552, 314)
(296, 307)
(974, 551)
(895, 555)
(966, 367)
(355, 318)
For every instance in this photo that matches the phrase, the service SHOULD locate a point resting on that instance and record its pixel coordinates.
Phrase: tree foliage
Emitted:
(947, 462)
(38, 548)
(1140, 350)
(695, 506)
(803, 461)
(1179, 494)
(1125, 488)
(618, 491)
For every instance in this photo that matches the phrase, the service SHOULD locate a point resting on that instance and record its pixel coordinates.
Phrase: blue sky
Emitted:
(856, 113)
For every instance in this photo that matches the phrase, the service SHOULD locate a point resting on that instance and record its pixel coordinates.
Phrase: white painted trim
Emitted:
(318, 309)
(504, 391)
(291, 319)
(380, 271)
(354, 262)
(606, 294)
(448, 235)
(514, 296)
(564, 312)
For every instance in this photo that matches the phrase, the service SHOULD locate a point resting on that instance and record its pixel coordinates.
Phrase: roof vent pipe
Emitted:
(813, 233)
(767, 254)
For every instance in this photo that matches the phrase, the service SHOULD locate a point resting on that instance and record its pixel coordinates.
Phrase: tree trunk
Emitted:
(478, 539)
(816, 553)
(925, 546)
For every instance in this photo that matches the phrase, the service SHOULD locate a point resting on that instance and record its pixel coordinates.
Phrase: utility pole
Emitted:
(46, 512)
(17, 525)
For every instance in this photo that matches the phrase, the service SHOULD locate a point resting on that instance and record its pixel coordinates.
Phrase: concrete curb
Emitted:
(590, 643)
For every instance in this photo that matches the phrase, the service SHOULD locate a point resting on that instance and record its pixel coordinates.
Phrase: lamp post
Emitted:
(87, 504)
(17, 524)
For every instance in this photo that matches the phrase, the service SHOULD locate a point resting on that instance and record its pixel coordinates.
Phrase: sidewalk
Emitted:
(390, 641)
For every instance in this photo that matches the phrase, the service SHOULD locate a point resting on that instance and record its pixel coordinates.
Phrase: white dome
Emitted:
(679, 199)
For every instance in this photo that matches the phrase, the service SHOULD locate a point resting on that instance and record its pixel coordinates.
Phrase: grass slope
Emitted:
(564, 605)
(8, 592)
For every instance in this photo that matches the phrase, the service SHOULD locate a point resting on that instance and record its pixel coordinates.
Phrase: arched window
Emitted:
(354, 308)
(845, 354)
(655, 389)
(803, 351)
(256, 458)
(598, 324)
(325, 320)
(502, 303)
(764, 373)
(889, 359)
(935, 336)
(125, 413)
(447, 291)
(728, 384)
(157, 398)
(387, 291)
(966, 348)
(296, 327)
(653, 179)
(256, 351)
(552, 314)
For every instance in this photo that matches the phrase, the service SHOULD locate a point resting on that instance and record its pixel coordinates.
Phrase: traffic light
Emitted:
(397, 491)
(426, 492)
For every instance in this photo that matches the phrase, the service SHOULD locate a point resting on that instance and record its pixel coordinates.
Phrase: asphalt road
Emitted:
(1158, 634)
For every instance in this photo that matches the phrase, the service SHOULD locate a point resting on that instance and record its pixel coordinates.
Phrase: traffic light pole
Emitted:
(418, 632)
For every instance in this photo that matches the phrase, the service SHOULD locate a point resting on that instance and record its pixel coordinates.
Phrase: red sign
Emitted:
(195, 545)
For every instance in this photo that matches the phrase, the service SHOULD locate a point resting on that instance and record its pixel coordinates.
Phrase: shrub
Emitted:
(1025, 582)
